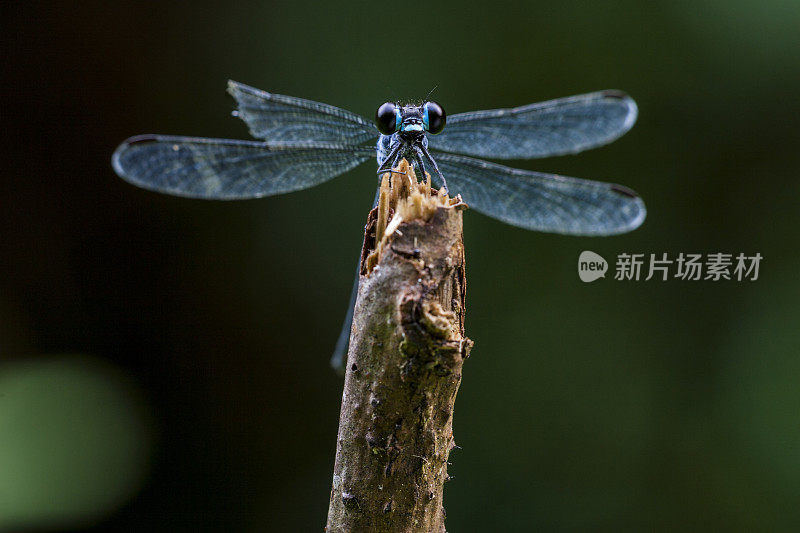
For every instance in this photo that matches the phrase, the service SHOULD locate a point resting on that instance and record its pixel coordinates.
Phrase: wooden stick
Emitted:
(404, 365)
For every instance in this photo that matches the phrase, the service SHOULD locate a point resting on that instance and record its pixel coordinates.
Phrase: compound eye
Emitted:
(387, 118)
(433, 117)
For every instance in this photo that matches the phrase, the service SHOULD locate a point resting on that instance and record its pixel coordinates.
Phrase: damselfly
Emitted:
(306, 143)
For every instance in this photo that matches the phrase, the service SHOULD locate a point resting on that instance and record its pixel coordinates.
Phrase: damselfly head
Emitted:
(410, 120)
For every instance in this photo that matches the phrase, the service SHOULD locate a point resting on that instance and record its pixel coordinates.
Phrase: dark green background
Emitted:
(606, 406)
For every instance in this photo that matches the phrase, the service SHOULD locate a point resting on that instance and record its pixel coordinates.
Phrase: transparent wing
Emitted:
(229, 169)
(556, 127)
(279, 118)
(542, 202)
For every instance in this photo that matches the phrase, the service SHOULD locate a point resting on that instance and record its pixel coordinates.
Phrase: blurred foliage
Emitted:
(616, 405)
(74, 442)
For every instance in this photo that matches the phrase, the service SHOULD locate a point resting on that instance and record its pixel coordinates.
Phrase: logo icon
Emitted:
(591, 266)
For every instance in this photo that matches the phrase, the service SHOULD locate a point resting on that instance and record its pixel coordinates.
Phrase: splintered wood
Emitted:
(403, 198)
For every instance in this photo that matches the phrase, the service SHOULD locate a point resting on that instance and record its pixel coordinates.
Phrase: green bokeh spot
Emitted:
(74, 442)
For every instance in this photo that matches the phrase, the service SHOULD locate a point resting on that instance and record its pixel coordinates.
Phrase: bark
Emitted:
(407, 348)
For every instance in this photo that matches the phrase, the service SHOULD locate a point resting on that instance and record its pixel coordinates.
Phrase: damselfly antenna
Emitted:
(428, 97)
